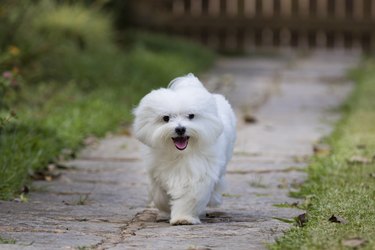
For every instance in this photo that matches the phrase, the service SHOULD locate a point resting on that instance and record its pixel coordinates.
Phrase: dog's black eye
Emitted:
(166, 118)
(191, 116)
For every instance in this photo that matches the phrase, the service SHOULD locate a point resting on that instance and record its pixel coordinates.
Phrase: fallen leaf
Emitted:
(337, 219)
(249, 118)
(51, 167)
(359, 160)
(354, 242)
(301, 220)
(25, 189)
(322, 149)
(126, 131)
(45, 176)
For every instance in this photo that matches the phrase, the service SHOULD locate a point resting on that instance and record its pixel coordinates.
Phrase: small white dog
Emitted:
(190, 135)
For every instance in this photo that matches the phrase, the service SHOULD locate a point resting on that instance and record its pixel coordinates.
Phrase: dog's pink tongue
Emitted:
(180, 142)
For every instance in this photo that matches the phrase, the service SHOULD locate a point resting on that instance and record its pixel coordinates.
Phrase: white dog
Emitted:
(190, 135)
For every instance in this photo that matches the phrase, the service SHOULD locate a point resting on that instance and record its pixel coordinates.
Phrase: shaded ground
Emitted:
(284, 105)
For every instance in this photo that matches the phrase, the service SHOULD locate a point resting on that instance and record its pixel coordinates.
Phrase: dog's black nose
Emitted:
(180, 130)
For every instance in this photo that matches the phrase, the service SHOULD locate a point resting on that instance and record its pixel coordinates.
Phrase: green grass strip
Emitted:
(343, 183)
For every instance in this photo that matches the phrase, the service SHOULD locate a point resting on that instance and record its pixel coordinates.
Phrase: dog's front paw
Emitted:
(184, 220)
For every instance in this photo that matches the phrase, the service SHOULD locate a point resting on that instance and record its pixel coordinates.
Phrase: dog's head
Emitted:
(183, 116)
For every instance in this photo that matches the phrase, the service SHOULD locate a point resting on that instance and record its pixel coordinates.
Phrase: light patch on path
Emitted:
(100, 201)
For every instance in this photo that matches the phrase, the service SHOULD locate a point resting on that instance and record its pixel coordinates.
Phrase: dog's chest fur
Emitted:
(184, 170)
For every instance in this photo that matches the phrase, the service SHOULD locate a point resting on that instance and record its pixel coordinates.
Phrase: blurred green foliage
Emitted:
(58, 41)
(63, 78)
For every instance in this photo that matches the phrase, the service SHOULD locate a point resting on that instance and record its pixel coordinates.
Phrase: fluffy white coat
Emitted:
(190, 135)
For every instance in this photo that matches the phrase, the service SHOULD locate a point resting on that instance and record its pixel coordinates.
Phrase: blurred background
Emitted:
(71, 71)
(244, 25)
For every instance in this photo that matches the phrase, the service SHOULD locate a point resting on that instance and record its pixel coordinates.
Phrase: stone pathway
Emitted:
(284, 104)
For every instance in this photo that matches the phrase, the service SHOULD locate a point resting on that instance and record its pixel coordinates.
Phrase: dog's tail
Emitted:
(189, 80)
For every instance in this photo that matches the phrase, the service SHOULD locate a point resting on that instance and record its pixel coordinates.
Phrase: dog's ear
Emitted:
(141, 124)
(147, 114)
(216, 127)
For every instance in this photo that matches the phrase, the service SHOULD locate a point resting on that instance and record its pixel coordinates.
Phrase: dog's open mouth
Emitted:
(181, 142)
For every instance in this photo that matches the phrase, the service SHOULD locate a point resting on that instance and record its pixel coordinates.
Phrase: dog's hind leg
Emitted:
(216, 195)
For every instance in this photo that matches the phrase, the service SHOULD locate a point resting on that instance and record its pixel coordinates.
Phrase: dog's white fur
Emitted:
(184, 182)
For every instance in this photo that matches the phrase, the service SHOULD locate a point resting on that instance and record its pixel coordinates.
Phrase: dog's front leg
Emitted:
(160, 198)
(188, 205)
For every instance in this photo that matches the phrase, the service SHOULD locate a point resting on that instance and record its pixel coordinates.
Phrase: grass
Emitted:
(73, 81)
(7, 241)
(340, 186)
(258, 183)
(56, 117)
